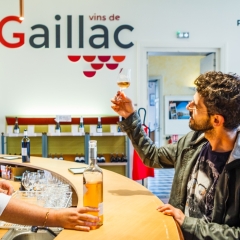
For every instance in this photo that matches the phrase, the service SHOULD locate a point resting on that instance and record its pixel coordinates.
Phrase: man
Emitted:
(16, 211)
(205, 195)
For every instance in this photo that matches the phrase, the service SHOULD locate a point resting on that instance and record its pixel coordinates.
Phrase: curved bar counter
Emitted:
(129, 208)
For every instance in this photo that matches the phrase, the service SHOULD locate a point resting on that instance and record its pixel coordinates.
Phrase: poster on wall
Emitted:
(176, 114)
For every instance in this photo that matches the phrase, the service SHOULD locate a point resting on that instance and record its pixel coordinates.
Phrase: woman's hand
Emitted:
(122, 105)
(76, 218)
(168, 209)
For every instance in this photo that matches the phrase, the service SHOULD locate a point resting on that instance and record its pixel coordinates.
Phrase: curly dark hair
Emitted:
(221, 93)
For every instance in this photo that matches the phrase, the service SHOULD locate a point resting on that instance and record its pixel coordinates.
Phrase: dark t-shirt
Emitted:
(202, 183)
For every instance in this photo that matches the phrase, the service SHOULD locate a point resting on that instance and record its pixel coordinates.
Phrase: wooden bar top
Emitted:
(129, 208)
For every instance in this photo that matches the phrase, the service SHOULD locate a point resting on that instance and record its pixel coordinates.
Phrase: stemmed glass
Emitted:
(124, 78)
(33, 178)
(42, 181)
(26, 182)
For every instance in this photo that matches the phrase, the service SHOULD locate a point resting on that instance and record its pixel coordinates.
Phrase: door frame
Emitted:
(159, 79)
(142, 61)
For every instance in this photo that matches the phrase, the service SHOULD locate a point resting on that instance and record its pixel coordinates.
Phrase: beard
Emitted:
(203, 125)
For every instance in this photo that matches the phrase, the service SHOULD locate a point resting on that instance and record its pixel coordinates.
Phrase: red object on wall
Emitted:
(45, 121)
(140, 171)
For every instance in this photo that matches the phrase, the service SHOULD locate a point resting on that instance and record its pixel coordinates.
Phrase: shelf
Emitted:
(69, 134)
(112, 164)
(21, 135)
(108, 134)
(104, 134)
(65, 134)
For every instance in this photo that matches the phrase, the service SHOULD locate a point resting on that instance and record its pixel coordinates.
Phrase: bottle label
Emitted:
(100, 206)
(57, 130)
(16, 130)
(24, 151)
(81, 130)
(99, 130)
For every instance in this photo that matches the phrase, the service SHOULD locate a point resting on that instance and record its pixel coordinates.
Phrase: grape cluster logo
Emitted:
(110, 62)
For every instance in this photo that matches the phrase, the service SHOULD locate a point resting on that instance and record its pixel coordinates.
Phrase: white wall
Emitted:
(44, 82)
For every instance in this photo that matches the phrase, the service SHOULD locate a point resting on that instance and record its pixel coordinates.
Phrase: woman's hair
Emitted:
(221, 95)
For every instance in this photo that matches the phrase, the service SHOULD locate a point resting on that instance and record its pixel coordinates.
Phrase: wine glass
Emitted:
(124, 78)
(26, 182)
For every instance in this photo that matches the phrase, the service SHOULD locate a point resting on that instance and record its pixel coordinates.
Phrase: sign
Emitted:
(63, 118)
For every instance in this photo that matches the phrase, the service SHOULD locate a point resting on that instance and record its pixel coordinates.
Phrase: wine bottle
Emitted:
(16, 127)
(61, 157)
(102, 159)
(25, 147)
(77, 158)
(93, 184)
(118, 159)
(82, 158)
(112, 158)
(99, 125)
(58, 128)
(98, 159)
(81, 125)
(124, 158)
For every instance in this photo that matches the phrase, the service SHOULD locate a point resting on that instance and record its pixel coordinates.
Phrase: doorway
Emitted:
(176, 74)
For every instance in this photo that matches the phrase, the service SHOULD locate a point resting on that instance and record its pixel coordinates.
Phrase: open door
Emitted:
(154, 92)
(208, 63)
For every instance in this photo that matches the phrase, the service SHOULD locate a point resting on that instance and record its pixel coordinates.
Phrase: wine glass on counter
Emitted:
(124, 78)
(26, 182)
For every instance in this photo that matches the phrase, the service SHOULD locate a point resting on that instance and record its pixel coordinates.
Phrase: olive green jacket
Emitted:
(183, 156)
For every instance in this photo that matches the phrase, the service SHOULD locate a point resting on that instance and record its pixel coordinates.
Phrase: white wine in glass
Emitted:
(124, 78)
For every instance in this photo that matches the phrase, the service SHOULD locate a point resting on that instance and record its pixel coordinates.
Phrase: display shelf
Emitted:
(68, 143)
(83, 134)
(108, 134)
(21, 135)
(112, 164)
(66, 134)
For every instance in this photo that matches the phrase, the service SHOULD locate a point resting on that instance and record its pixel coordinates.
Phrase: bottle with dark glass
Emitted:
(99, 125)
(61, 157)
(82, 158)
(58, 127)
(77, 159)
(93, 184)
(16, 127)
(112, 158)
(102, 159)
(25, 147)
(118, 158)
(124, 158)
(98, 159)
(81, 125)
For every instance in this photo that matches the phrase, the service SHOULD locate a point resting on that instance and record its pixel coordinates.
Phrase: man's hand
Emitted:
(122, 105)
(168, 209)
(6, 187)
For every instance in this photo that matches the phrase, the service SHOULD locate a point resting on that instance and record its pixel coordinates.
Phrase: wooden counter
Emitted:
(129, 208)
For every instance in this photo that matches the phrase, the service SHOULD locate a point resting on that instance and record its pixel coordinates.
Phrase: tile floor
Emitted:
(161, 184)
